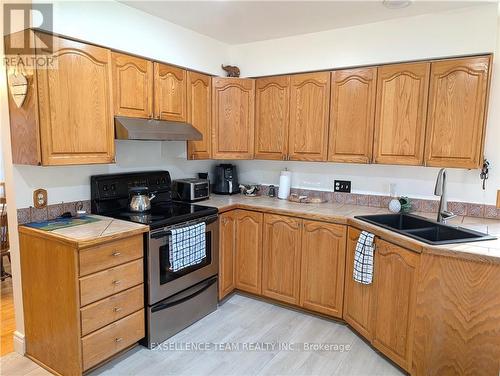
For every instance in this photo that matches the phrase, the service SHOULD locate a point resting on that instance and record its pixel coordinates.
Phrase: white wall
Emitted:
(461, 32)
(121, 27)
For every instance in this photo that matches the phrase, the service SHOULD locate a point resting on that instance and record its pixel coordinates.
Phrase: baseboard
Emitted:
(19, 345)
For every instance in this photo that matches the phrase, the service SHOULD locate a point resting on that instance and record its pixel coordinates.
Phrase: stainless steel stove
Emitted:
(174, 299)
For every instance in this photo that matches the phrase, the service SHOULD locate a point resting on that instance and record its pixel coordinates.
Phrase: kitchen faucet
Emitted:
(440, 190)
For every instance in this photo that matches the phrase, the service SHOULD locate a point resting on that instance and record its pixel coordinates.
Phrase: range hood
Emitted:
(127, 128)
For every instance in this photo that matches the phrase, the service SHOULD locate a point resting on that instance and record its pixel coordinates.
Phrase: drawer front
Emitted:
(111, 339)
(110, 254)
(108, 310)
(108, 282)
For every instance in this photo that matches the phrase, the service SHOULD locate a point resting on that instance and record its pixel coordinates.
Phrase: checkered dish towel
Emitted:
(187, 246)
(363, 259)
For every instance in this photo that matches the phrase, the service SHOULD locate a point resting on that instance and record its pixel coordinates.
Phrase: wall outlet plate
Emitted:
(342, 186)
(40, 198)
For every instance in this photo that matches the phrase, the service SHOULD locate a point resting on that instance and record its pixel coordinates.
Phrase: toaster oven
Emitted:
(191, 189)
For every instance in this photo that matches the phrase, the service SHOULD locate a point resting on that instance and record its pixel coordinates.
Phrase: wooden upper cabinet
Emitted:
(199, 92)
(457, 112)
(323, 267)
(401, 113)
(309, 111)
(227, 249)
(132, 86)
(352, 115)
(272, 100)
(358, 301)
(281, 258)
(395, 284)
(233, 118)
(75, 105)
(248, 268)
(170, 93)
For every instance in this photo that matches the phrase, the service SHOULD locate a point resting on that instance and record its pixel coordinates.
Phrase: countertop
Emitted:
(90, 234)
(333, 212)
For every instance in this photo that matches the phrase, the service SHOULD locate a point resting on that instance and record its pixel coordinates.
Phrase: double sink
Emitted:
(425, 230)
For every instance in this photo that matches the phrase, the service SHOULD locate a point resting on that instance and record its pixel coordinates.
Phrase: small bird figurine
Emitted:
(232, 70)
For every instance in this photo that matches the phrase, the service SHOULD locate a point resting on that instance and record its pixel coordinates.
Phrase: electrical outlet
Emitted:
(342, 186)
(40, 198)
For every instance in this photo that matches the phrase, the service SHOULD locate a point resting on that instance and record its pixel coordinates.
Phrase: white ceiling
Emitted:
(236, 22)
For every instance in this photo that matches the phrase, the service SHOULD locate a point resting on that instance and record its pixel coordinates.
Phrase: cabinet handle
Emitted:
(119, 339)
(117, 309)
(117, 282)
(116, 254)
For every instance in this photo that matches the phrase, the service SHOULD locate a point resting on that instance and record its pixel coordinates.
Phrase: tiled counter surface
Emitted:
(92, 233)
(488, 251)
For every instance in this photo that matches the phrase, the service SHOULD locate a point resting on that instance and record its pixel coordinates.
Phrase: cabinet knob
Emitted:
(117, 282)
(115, 254)
(117, 309)
(118, 339)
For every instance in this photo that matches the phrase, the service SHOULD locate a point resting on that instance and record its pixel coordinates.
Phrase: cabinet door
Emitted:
(76, 105)
(132, 86)
(309, 110)
(199, 91)
(233, 118)
(457, 112)
(323, 266)
(248, 251)
(358, 297)
(272, 99)
(281, 258)
(227, 249)
(170, 92)
(400, 113)
(352, 115)
(395, 294)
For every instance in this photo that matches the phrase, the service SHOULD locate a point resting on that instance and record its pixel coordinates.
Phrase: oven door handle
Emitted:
(204, 287)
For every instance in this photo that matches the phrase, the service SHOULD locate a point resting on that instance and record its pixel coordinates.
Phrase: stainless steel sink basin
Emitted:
(425, 230)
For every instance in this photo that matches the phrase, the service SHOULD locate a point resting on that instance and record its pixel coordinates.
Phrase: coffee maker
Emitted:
(226, 179)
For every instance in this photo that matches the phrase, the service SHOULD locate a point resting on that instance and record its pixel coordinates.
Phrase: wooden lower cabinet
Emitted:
(395, 284)
(71, 323)
(227, 247)
(358, 298)
(457, 323)
(240, 250)
(281, 258)
(248, 271)
(322, 267)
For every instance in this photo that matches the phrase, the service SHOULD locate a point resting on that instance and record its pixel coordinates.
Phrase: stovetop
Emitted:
(165, 214)
(110, 197)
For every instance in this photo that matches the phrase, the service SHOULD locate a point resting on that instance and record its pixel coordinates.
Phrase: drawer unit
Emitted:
(110, 254)
(112, 339)
(105, 311)
(108, 282)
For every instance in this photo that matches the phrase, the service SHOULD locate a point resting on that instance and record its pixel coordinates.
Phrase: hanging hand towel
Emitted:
(363, 259)
(187, 246)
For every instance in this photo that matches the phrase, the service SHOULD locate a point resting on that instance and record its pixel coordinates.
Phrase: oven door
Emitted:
(162, 281)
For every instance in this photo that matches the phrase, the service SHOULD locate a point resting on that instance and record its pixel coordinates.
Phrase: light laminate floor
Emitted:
(247, 337)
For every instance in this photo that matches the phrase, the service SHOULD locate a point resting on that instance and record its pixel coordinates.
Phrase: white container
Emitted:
(285, 184)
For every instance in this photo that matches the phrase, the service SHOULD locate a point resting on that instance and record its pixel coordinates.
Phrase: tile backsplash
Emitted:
(418, 205)
(26, 215)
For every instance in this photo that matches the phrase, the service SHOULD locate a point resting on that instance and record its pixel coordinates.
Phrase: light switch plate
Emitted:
(40, 198)
(498, 199)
